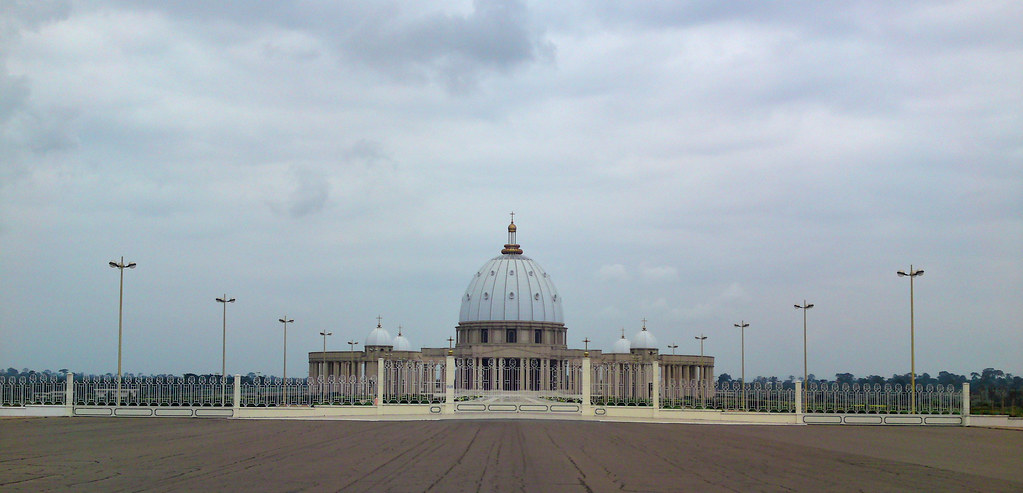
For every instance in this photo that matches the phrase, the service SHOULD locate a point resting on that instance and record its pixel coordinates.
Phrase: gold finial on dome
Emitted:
(511, 247)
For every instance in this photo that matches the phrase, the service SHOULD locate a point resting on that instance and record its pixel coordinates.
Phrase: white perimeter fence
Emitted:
(425, 382)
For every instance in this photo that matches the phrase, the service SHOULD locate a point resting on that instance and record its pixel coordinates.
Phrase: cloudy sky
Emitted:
(693, 163)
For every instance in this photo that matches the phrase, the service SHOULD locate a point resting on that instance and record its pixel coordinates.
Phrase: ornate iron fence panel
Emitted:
(768, 397)
(413, 382)
(881, 399)
(33, 390)
(335, 391)
(692, 394)
(728, 396)
(622, 384)
(191, 391)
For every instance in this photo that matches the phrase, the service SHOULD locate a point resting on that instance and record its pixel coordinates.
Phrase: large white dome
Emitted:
(511, 287)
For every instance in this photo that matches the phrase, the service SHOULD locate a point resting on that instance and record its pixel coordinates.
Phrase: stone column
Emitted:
(656, 378)
(69, 394)
(585, 407)
(687, 376)
(380, 384)
(799, 402)
(449, 385)
(237, 395)
(966, 404)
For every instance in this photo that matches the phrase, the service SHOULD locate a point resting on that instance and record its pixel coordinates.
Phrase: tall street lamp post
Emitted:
(323, 378)
(325, 334)
(223, 349)
(285, 321)
(120, 315)
(805, 306)
(672, 347)
(700, 386)
(912, 346)
(351, 344)
(742, 351)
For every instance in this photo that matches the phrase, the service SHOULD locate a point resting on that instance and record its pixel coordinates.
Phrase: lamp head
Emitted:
(810, 305)
(131, 265)
(901, 274)
(114, 265)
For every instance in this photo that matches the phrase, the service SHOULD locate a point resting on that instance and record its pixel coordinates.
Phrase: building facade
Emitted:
(511, 337)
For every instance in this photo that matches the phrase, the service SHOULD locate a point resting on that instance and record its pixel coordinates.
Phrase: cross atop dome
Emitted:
(511, 248)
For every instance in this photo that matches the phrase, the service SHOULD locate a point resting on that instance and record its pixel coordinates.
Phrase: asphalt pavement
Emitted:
(164, 454)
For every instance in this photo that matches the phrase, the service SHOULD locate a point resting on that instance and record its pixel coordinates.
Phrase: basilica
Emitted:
(511, 336)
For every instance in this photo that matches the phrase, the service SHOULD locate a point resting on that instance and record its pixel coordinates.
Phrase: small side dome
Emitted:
(401, 343)
(622, 346)
(378, 337)
(644, 339)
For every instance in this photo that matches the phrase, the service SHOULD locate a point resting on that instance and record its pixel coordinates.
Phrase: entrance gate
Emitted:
(520, 385)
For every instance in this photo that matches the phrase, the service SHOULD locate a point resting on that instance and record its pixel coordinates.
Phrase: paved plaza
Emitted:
(93, 454)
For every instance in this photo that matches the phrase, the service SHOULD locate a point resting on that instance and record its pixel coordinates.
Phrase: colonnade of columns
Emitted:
(678, 374)
(336, 369)
(641, 380)
(514, 374)
(622, 379)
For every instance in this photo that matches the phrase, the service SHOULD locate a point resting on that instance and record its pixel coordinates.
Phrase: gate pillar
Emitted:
(449, 384)
(585, 405)
(656, 397)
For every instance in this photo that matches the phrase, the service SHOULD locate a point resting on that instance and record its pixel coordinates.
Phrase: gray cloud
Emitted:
(26, 128)
(457, 49)
(704, 162)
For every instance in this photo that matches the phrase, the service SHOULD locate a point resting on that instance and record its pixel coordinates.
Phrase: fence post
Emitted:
(380, 385)
(587, 375)
(237, 395)
(69, 394)
(799, 402)
(966, 404)
(449, 384)
(656, 377)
